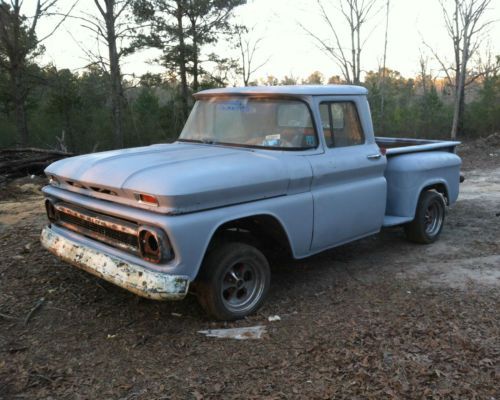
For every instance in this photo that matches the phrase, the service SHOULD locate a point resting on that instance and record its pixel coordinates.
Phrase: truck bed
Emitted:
(412, 165)
(393, 146)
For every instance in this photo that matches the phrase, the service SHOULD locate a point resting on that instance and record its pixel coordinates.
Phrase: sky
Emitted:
(290, 50)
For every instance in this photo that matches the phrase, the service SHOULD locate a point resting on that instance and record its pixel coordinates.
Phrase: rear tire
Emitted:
(429, 219)
(234, 281)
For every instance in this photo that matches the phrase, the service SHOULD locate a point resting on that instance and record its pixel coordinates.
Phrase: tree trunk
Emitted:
(244, 73)
(459, 92)
(353, 56)
(21, 122)
(17, 61)
(456, 111)
(384, 59)
(461, 112)
(196, 62)
(182, 63)
(195, 66)
(358, 55)
(115, 78)
(20, 109)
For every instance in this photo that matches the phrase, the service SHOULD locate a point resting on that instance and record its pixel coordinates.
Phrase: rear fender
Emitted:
(409, 174)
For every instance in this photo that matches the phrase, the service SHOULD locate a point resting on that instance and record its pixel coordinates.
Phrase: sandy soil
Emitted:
(378, 318)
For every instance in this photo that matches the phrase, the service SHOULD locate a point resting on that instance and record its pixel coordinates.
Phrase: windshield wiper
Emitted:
(205, 140)
(208, 140)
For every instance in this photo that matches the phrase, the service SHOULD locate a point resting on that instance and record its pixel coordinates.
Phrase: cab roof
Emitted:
(291, 90)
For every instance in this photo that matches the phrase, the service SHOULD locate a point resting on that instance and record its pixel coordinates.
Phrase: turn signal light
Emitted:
(148, 199)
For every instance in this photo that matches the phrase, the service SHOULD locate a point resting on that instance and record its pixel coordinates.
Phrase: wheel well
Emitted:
(440, 188)
(263, 231)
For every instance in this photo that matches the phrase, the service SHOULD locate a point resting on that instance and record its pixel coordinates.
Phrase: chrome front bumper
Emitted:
(132, 277)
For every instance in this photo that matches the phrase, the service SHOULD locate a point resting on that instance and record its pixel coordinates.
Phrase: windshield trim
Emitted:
(260, 97)
(250, 146)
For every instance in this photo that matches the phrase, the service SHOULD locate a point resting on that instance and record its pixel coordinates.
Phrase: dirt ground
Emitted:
(378, 318)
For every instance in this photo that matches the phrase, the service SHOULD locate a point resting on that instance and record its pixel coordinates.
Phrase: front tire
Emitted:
(429, 219)
(234, 281)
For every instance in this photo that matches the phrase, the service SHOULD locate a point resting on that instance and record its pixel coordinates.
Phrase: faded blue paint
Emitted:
(322, 197)
(408, 174)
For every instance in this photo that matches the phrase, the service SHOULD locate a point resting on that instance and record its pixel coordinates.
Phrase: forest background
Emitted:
(190, 45)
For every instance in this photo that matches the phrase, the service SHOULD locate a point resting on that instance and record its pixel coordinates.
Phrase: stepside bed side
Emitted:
(409, 174)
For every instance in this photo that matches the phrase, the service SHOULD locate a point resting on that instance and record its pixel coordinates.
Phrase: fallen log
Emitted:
(34, 150)
(14, 164)
(18, 162)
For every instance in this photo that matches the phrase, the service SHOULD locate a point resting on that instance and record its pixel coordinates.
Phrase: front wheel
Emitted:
(429, 219)
(234, 281)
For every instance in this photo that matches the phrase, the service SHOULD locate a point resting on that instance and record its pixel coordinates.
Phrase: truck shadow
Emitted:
(358, 261)
(292, 281)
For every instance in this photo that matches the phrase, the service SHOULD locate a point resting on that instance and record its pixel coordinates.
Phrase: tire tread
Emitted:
(415, 230)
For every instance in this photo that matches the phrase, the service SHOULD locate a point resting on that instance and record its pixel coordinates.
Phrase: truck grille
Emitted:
(102, 230)
(112, 231)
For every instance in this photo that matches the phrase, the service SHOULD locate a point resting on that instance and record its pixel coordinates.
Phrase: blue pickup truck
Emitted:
(293, 170)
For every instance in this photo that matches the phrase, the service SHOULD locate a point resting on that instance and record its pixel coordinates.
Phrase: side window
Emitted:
(324, 111)
(341, 126)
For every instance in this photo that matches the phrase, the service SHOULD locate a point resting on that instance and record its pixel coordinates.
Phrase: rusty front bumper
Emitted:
(134, 278)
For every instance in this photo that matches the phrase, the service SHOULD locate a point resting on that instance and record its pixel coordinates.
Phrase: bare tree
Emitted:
(486, 66)
(464, 24)
(111, 27)
(424, 77)
(384, 70)
(248, 47)
(355, 13)
(19, 47)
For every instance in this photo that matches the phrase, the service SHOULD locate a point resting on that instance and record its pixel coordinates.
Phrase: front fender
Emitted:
(191, 234)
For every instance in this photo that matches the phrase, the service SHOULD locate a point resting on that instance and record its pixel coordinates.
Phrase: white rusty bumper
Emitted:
(134, 278)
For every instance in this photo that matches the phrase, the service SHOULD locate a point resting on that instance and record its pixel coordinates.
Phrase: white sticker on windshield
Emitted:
(233, 105)
(272, 140)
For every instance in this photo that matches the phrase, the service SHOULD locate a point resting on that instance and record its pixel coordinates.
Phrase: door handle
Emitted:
(374, 156)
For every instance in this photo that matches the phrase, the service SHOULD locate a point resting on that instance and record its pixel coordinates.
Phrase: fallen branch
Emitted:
(5, 316)
(18, 162)
(23, 163)
(38, 304)
(34, 150)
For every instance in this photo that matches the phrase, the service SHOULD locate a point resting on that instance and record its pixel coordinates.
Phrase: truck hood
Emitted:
(184, 177)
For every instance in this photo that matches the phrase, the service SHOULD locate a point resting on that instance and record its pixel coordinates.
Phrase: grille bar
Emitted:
(113, 231)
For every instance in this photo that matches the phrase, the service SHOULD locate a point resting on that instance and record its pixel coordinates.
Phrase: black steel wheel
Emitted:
(429, 219)
(234, 281)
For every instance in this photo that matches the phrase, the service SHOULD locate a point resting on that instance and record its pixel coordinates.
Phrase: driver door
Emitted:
(349, 187)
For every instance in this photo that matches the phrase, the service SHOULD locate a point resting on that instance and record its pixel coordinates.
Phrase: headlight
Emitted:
(154, 245)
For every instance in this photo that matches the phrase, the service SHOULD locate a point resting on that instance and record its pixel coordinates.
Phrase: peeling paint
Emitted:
(139, 280)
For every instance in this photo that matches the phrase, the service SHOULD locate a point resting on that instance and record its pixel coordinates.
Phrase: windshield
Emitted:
(269, 123)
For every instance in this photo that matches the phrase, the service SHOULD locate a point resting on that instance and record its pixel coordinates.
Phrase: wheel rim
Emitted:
(242, 286)
(433, 218)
